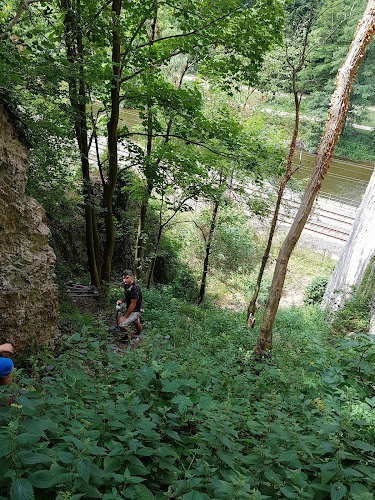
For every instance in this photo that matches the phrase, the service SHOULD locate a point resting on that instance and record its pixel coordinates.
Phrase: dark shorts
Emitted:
(6, 366)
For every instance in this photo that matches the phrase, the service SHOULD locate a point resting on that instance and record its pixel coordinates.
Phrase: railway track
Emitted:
(317, 228)
(327, 218)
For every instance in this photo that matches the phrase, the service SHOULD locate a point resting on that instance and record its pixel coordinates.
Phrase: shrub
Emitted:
(315, 290)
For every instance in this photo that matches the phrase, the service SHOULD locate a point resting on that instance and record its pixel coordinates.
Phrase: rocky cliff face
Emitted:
(28, 295)
(356, 255)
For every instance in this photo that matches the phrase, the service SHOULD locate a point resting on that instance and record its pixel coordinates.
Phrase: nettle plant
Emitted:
(194, 417)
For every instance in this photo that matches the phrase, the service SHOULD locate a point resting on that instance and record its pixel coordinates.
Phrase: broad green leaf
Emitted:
(90, 491)
(63, 478)
(250, 459)
(6, 445)
(272, 476)
(146, 373)
(112, 464)
(327, 475)
(26, 438)
(30, 404)
(37, 426)
(288, 492)
(291, 457)
(194, 495)
(143, 493)
(30, 458)
(349, 472)
(173, 434)
(21, 489)
(323, 448)
(83, 468)
(360, 492)
(362, 445)
(257, 495)
(338, 491)
(41, 478)
(65, 457)
(171, 385)
(145, 452)
(183, 403)
(227, 458)
(367, 470)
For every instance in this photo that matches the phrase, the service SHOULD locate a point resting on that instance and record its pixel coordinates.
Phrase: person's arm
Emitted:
(121, 301)
(6, 348)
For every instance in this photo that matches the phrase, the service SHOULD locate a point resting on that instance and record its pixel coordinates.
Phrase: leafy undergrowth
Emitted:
(190, 414)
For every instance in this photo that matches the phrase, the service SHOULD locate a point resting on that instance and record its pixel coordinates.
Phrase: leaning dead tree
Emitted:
(329, 139)
(300, 38)
(295, 67)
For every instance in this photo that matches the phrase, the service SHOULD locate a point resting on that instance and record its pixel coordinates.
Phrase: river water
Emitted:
(345, 182)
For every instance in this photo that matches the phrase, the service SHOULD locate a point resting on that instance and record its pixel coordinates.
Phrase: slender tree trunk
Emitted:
(285, 179)
(140, 242)
(153, 262)
(296, 68)
(331, 134)
(139, 247)
(208, 249)
(112, 125)
(149, 172)
(77, 95)
(161, 226)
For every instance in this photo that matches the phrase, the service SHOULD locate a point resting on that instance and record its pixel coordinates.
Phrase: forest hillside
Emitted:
(172, 214)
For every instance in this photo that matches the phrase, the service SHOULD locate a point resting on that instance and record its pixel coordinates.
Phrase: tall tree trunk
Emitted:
(77, 95)
(112, 125)
(296, 68)
(157, 163)
(285, 179)
(207, 256)
(331, 134)
(153, 262)
(149, 171)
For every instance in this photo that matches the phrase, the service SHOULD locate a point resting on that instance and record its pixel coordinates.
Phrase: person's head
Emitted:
(127, 276)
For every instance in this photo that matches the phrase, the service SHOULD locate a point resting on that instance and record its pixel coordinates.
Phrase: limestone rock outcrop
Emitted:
(28, 294)
(357, 254)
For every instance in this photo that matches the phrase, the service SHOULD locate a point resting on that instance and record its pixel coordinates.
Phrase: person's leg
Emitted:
(7, 380)
(138, 327)
(125, 324)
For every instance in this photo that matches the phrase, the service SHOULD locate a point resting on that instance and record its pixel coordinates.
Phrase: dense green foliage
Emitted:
(189, 414)
(315, 290)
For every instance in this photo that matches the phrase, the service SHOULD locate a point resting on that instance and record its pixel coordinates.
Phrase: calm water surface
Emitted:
(346, 180)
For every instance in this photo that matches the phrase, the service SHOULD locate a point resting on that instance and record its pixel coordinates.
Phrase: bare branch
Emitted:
(136, 73)
(190, 33)
(188, 141)
(22, 6)
(196, 224)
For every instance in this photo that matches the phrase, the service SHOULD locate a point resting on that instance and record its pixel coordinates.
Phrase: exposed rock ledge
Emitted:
(28, 294)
